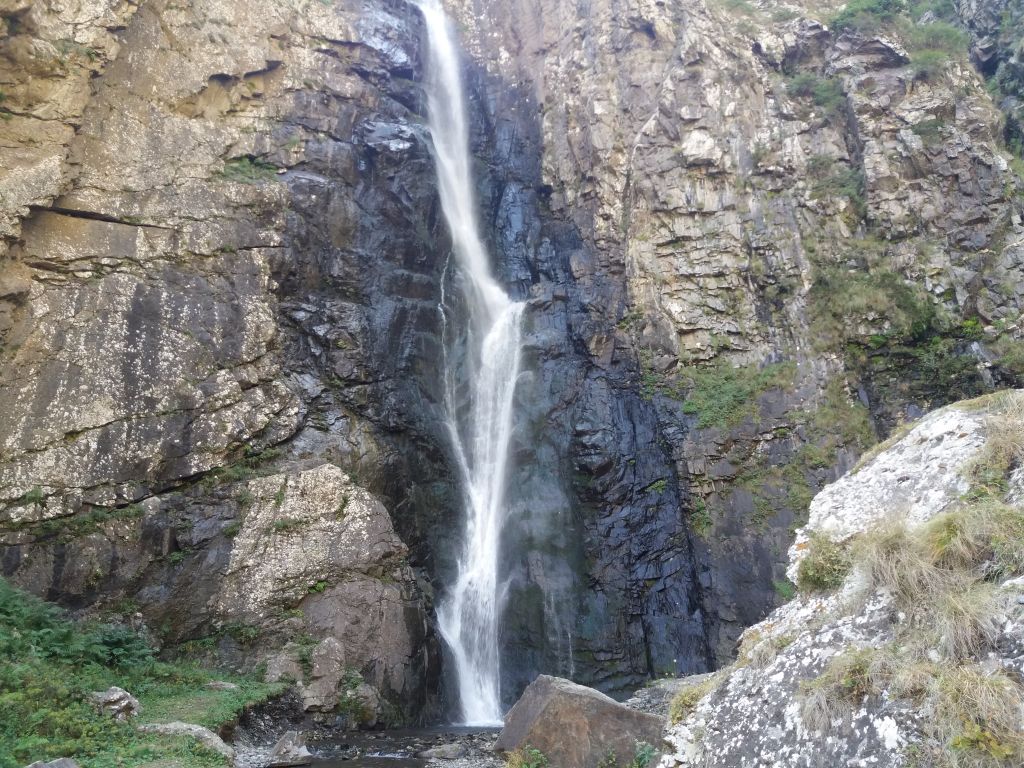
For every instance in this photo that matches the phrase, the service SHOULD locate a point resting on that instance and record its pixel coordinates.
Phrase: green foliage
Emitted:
(48, 667)
(526, 757)
(700, 518)
(643, 755)
(830, 179)
(825, 92)
(286, 524)
(658, 486)
(867, 16)
(842, 299)
(785, 589)
(33, 497)
(723, 396)
(317, 587)
(30, 627)
(248, 170)
(824, 566)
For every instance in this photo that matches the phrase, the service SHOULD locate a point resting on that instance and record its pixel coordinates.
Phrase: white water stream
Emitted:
(480, 421)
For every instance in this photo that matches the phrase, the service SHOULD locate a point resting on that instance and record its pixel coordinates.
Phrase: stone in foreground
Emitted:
(290, 750)
(575, 726)
(116, 702)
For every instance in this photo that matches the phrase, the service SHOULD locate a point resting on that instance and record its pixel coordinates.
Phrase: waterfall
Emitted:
(478, 393)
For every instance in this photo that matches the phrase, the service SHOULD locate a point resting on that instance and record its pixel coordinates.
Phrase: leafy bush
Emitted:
(826, 92)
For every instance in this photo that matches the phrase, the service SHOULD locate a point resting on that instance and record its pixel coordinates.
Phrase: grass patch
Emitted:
(248, 170)
(823, 567)
(686, 700)
(723, 396)
(48, 667)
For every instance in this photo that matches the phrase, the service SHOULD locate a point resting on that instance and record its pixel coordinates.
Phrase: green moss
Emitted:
(785, 589)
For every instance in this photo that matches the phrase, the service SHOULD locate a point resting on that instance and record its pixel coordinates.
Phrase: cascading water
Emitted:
(481, 428)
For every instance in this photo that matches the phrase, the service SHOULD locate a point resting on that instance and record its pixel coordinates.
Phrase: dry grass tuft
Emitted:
(824, 566)
(978, 717)
(684, 702)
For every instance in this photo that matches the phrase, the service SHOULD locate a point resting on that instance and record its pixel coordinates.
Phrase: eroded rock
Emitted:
(117, 703)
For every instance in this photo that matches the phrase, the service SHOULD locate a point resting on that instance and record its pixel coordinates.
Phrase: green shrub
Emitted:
(867, 16)
(700, 518)
(785, 589)
(825, 92)
(824, 565)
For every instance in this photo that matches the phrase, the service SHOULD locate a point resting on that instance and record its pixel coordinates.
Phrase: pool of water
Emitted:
(393, 749)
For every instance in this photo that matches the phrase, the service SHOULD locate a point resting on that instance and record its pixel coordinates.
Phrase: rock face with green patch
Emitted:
(750, 240)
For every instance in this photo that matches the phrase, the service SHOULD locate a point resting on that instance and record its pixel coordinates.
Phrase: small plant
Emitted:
(643, 755)
(286, 524)
(700, 518)
(824, 566)
(785, 589)
(317, 587)
(526, 757)
(658, 486)
(248, 170)
(342, 506)
(33, 497)
(231, 529)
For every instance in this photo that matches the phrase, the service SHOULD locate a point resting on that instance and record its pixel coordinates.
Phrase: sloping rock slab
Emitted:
(204, 736)
(575, 726)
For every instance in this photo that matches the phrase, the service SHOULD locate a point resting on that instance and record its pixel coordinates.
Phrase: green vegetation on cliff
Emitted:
(49, 665)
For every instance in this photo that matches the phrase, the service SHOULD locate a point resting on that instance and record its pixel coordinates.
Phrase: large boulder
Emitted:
(575, 726)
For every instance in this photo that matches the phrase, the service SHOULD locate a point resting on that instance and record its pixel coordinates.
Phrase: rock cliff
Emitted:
(905, 648)
(751, 243)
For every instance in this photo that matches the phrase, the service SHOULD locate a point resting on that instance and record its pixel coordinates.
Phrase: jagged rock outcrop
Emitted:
(858, 676)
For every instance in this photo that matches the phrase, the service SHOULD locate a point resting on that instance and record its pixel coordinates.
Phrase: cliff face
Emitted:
(222, 269)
